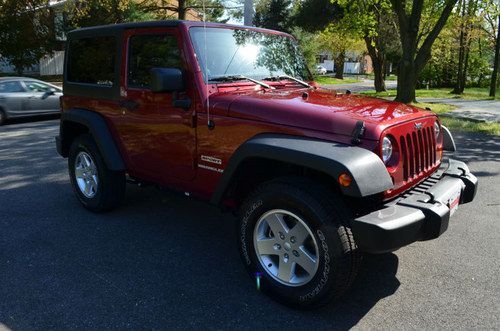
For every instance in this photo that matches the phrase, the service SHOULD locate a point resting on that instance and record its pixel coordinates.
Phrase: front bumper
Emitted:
(423, 213)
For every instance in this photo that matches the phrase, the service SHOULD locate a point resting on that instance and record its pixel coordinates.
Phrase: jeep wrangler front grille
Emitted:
(418, 152)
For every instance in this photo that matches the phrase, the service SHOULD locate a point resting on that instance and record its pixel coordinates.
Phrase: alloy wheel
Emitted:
(86, 174)
(286, 247)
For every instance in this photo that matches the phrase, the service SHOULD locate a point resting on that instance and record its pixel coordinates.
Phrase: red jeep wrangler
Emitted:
(230, 114)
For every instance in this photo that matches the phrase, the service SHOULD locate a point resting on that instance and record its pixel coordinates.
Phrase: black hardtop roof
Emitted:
(115, 28)
(124, 26)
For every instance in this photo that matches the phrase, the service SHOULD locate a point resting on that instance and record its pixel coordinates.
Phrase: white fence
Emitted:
(349, 67)
(7, 68)
(352, 67)
(52, 65)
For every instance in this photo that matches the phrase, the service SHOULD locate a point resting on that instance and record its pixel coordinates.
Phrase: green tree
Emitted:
(492, 14)
(26, 32)
(178, 9)
(309, 45)
(468, 17)
(102, 12)
(417, 40)
(371, 20)
(274, 14)
(339, 39)
(374, 21)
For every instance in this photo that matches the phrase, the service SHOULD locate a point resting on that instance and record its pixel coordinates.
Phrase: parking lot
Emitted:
(163, 261)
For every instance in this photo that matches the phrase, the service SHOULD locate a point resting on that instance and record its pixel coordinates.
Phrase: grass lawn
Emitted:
(457, 123)
(471, 93)
(326, 80)
(389, 77)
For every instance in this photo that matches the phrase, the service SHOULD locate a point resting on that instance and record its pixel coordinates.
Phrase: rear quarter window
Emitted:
(92, 60)
(11, 87)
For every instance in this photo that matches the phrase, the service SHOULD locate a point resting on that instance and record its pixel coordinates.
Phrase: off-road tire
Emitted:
(111, 189)
(327, 216)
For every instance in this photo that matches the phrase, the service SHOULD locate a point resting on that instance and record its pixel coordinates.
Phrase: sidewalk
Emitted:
(476, 110)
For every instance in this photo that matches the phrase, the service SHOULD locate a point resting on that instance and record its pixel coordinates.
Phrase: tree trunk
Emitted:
(407, 78)
(465, 44)
(339, 65)
(493, 83)
(379, 73)
(378, 63)
(182, 9)
(459, 89)
(414, 59)
(463, 79)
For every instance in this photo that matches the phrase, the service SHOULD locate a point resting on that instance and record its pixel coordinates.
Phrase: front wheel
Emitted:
(96, 187)
(296, 243)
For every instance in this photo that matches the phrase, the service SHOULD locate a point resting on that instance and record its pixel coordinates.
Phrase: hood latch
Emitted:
(357, 132)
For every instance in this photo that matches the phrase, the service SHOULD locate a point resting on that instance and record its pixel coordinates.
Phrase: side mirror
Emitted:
(47, 94)
(166, 80)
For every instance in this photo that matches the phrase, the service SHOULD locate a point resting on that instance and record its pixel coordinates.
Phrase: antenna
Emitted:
(210, 122)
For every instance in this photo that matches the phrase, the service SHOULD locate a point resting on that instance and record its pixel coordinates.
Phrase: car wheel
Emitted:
(96, 187)
(296, 244)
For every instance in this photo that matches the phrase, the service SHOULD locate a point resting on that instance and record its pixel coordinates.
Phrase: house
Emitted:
(355, 62)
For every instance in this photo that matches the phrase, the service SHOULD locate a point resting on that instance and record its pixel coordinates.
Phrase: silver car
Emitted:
(22, 96)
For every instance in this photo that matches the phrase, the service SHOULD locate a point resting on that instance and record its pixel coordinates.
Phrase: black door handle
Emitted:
(129, 104)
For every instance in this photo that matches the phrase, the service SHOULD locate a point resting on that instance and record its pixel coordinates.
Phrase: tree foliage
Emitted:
(26, 32)
(474, 48)
(417, 39)
(309, 44)
(210, 10)
(338, 38)
(274, 14)
(102, 12)
(375, 22)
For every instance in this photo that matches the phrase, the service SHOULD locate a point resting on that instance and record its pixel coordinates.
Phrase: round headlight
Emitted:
(386, 149)
(437, 129)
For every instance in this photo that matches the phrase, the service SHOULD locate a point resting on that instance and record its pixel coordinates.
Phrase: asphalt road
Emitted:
(163, 261)
(363, 85)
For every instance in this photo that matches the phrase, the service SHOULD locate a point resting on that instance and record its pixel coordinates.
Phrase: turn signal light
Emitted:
(345, 180)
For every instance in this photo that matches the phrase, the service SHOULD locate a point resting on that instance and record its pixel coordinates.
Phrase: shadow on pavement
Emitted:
(160, 261)
(476, 147)
(34, 119)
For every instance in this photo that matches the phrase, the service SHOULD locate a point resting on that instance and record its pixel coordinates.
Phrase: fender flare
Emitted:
(98, 128)
(369, 173)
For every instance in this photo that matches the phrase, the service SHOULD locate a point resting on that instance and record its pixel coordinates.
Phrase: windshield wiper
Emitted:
(232, 78)
(280, 77)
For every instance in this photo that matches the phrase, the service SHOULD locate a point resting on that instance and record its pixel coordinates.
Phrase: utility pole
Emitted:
(248, 13)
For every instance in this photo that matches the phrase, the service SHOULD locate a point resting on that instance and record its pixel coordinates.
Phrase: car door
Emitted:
(43, 98)
(160, 139)
(13, 98)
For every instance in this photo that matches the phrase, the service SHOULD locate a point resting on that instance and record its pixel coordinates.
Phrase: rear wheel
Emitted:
(296, 243)
(96, 187)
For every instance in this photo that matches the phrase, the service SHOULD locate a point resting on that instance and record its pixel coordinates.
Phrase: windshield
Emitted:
(237, 52)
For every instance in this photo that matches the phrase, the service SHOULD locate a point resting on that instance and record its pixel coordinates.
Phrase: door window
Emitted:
(39, 87)
(11, 87)
(150, 51)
